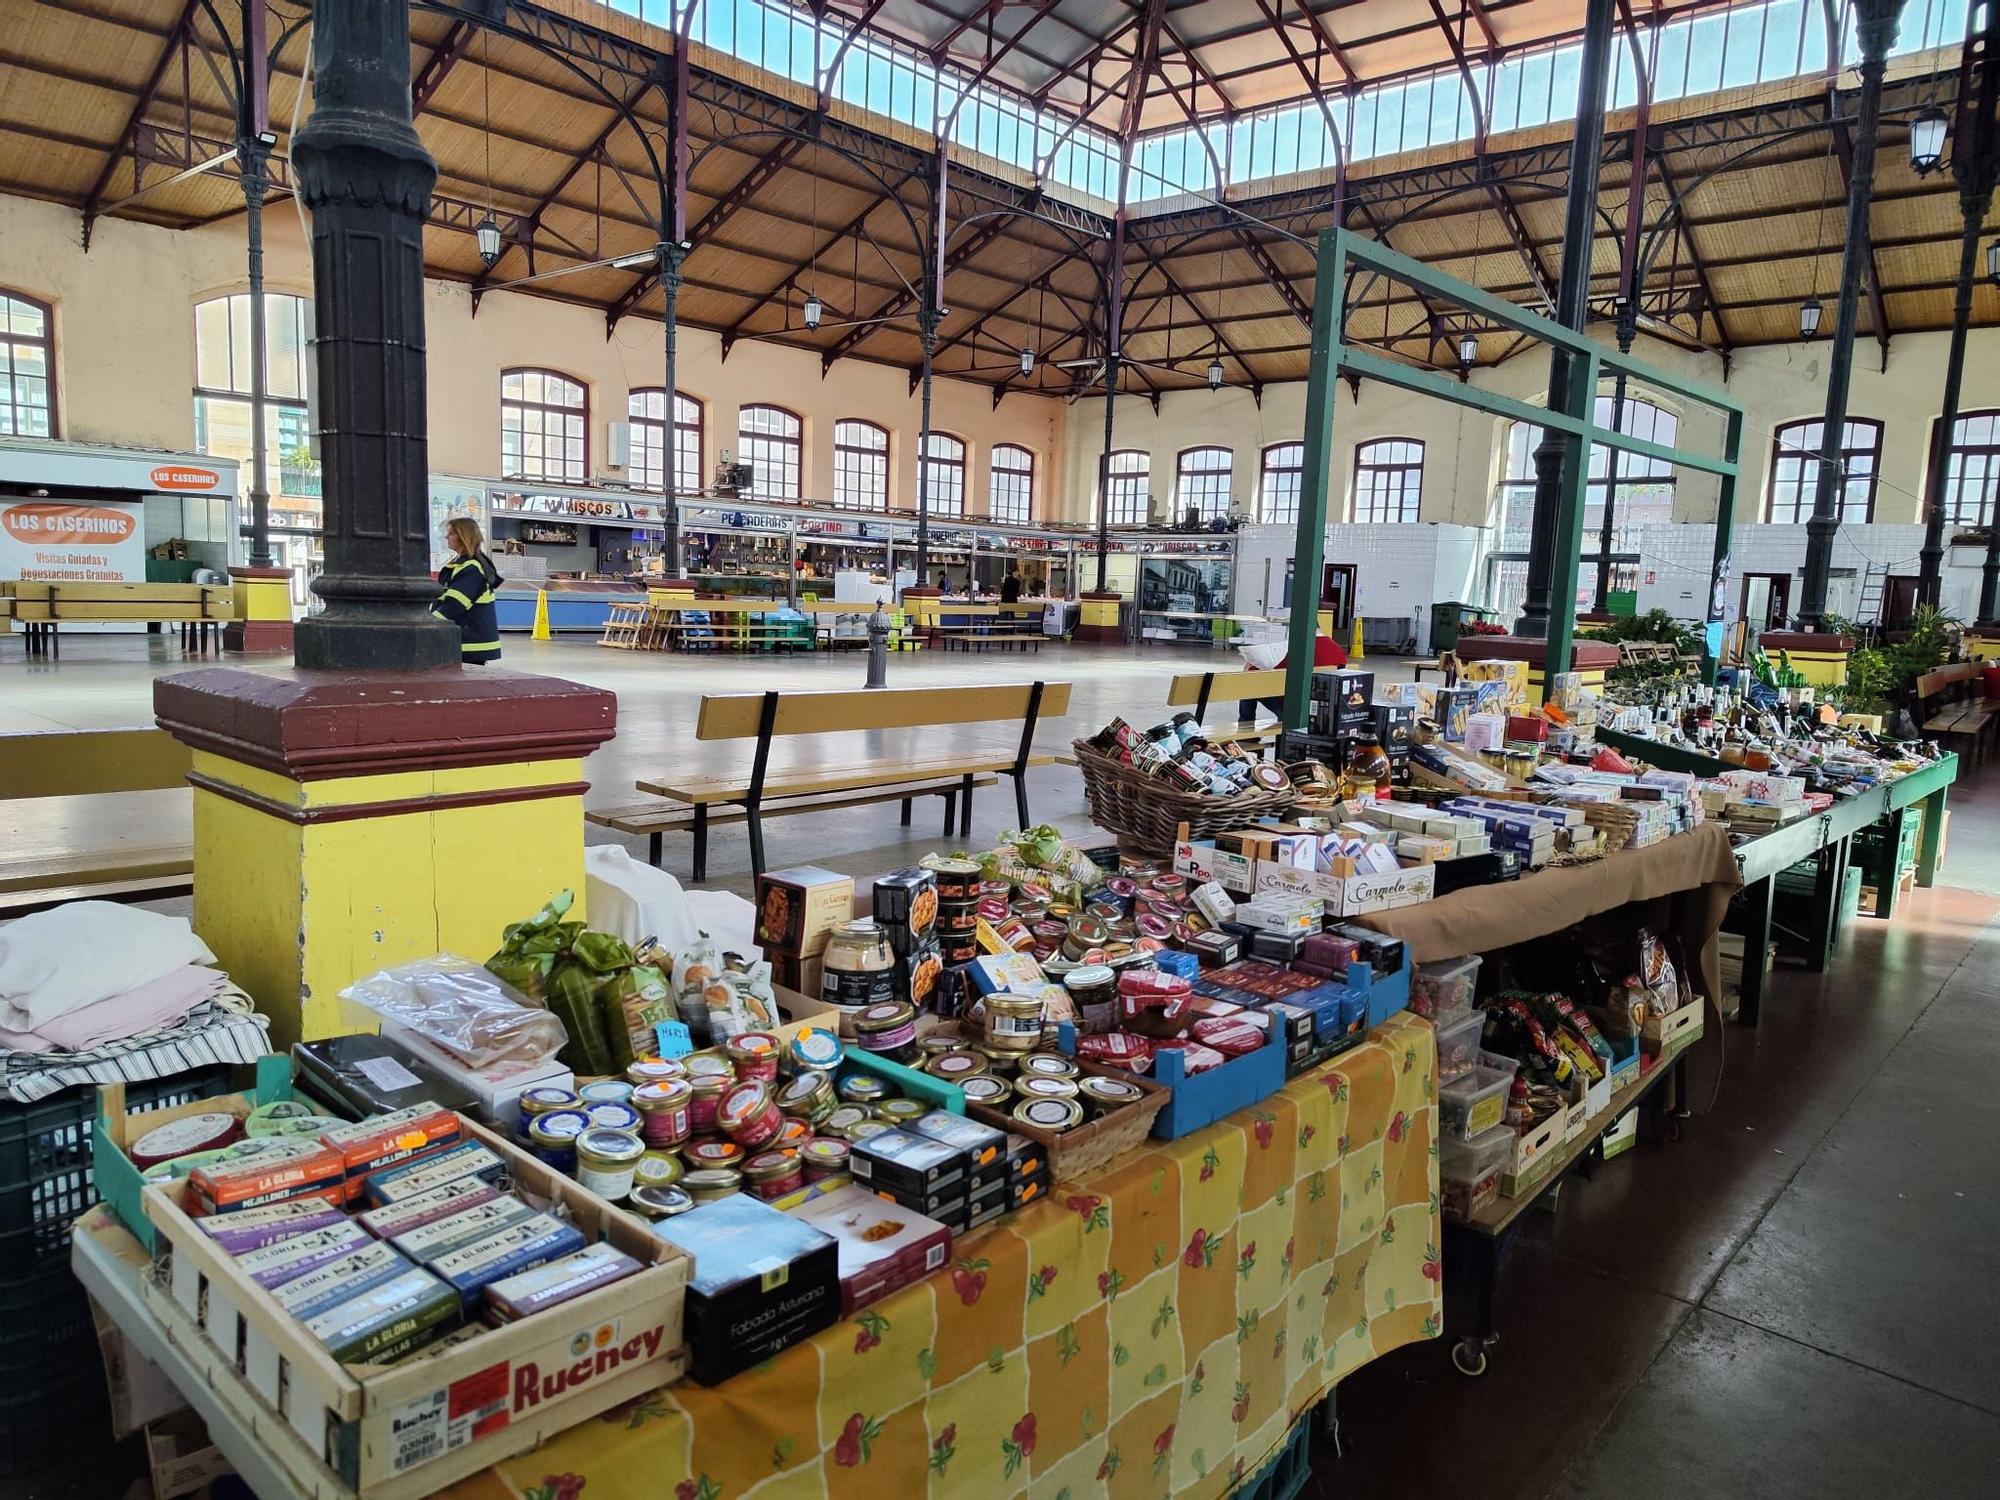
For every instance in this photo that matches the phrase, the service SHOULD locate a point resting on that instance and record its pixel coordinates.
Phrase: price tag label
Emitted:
(672, 1038)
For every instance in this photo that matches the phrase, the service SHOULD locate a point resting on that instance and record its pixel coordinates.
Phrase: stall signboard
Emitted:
(576, 507)
(77, 466)
(72, 541)
(450, 498)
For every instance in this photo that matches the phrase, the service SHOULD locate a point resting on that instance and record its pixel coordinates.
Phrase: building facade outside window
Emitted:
(1011, 492)
(860, 465)
(27, 367)
(1388, 481)
(1278, 485)
(1795, 471)
(1130, 485)
(647, 409)
(1972, 469)
(1201, 482)
(222, 399)
(544, 426)
(771, 440)
(944, 467)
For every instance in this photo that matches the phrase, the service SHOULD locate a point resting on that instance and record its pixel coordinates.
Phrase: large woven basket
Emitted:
(1148, 813)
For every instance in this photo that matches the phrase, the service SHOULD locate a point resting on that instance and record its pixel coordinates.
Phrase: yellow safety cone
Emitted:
(541, 632)
(1356, 654)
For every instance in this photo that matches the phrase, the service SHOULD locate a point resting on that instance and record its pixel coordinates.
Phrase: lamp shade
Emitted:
(1027, 361)
(1809, 311)
(1215, 374)
(1993, 261)
(1927, 140)
(1468, 349)
(814, 309)
(487, 235)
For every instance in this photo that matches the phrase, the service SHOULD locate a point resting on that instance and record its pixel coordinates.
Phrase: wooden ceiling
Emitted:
(1740, 197)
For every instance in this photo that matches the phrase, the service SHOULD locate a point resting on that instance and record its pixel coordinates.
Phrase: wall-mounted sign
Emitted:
(185, 477)
(554, 533)
(582, 507)
(66, 541)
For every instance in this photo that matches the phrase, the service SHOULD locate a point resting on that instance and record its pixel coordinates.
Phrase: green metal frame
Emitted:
(1341, 251)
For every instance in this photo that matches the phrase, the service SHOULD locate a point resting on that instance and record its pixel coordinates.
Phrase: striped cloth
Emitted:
(216, 1031)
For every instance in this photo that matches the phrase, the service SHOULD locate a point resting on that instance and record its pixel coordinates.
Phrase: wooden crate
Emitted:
(1097, 1143)
(397, 1432)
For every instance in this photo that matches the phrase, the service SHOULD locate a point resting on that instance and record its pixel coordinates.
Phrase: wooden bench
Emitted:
(41, 609)
(1951, 703)
(1196, 690)
(765, 717)
(984, 633)
(84, 763)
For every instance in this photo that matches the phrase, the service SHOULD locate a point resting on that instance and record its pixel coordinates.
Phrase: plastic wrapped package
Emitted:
(462, 1009)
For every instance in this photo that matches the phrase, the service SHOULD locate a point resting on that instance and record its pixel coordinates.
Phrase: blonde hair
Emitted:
(465, 533)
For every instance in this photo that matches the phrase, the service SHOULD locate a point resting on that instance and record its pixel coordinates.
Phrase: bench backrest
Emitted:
(84, 762)
(1224, 687)
(1932, 683)
(739, 716)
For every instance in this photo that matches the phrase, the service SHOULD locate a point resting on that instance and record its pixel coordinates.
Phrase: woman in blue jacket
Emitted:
(468, 581)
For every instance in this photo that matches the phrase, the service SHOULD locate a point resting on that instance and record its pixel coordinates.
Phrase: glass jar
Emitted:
(956, 1066)
(712, 1183)
(666, 1111)
(772, 1174)
(657, 1169)
(659, 1202)
(605, 1160)
(1368, 767)
(552, 1137)
(808, 1097)
(754, 1056)
(857, 969)
(705, 1092)
(984, 1088)
(823, 1156)
(703, 1155)
(1013, 1022)
(749, 1115)
(1093, 989)
(605, 1091)
(620, 1117)
(653, 1070)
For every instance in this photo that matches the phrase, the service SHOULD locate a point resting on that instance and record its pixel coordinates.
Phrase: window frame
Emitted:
(883, 455)
(1183, 473)
(635, 399)
(958, 466)
(1266, 469)
(1954, 450)
(1802, 506)
(795, 441)
(524, 405)
(1364, 465)
(1025, 472)
(1110, 486)
(46, 342)
(288, 504)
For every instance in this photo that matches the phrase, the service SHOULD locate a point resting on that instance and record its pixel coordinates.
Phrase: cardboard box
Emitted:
(882, 1246)
(1348, 892)
(763, 1281)
(1665, 1036)
(797, 910)
(182, 1459)
(1204, 861)
(796, 973)
(1535, 1153)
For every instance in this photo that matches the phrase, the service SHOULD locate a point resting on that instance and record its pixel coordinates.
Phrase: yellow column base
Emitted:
(345, 823)
(261, 617)
(1100, 612)
(1984, 647)
(1820, 668)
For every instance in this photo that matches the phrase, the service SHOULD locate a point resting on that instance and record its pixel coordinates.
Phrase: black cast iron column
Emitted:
(367, 179)
(1114, 333)
(927, 326)
(1628, 329)
(671, 256)
(1551, 528)
(1875, 25)
(253, 159)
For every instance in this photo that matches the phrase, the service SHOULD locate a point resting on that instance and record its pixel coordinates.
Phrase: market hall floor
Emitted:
(1797, 1300)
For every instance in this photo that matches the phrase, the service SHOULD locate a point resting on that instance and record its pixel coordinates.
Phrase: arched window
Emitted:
(1201, 480)
(27, 367)
(1131, 481)
(1972, 469)
(648, 411)
(544, 419)
(860, 465)
(1388, 480)
(1283, 472)
(944, 468)
(1795, 470)
(770, 440)
(1011, 495)
(222, 397)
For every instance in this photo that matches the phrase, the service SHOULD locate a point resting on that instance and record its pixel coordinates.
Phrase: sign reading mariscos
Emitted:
(60, 541)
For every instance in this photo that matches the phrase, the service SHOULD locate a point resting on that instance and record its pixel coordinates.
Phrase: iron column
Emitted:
(1550, 528)
(1875, 23)
(367, 179)
(672, 253)
(253, 157)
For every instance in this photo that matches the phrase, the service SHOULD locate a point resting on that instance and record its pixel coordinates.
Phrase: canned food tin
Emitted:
(604, 1162)
(1001, 888)
(754, 1055)
(985, 1089)
(957, 879)
(749, 1115)
(823, 1157)
(666, 1111)
(1013, 1022)
(712, 1183)
(772, 1174)
(1049, 1114)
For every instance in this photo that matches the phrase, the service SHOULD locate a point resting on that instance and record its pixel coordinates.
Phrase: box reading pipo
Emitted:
(762, 1282)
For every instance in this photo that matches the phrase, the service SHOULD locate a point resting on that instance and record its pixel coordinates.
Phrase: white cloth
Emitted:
(632, 900)
(60, 960)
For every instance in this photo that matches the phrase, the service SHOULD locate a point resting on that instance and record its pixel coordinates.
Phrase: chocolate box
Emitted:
(906, 904)
(763, 1281)
(883, 1246)
(798, 909)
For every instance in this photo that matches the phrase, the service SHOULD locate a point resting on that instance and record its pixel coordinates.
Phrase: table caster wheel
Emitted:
(1468, 1356)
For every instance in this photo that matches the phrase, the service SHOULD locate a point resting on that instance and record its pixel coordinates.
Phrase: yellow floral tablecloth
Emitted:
(1153, 1330)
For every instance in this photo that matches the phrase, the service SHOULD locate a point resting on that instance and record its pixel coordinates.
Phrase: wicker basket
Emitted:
(1147, 812)
(1096, 1144)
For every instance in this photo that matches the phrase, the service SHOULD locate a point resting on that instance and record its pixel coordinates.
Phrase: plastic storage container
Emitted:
(1458, 1046)
(1442, 990)
(1469, 1171)
(1477, 1101)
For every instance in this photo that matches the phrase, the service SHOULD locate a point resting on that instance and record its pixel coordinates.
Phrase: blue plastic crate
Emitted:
(1207, 1097)
(1285, 1475)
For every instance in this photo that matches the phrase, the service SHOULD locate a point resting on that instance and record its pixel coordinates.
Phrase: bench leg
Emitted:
(950, 799)
(754, 821)
(656, 848)
(1021, 797)
(699, 865)
(906, 812)
(965, 808)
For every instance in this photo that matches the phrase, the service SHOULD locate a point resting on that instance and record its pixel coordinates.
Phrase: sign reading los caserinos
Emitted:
(66, 541)
(185, 477)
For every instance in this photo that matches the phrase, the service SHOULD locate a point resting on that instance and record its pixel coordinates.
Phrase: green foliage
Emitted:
(1654, 625)
(1881, 676)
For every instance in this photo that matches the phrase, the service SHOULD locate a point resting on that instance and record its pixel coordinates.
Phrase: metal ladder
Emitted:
(1869, 610)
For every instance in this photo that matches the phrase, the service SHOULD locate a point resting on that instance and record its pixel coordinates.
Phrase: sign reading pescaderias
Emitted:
(70, 541)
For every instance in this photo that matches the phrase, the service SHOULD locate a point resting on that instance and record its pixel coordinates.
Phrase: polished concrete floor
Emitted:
(1798, 1299)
